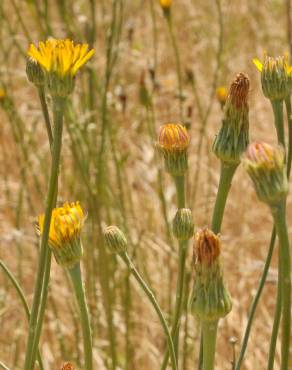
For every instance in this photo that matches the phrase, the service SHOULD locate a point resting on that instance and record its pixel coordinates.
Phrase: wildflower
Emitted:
(115, 239)
(221, 95)
(2, 94)
(166, 6)
(64, 236)
(183, 225)
(265, 165)
(60, 60)
(233, 137)
(34, 72)
(173, 141)
(275, 77)
(210, 298)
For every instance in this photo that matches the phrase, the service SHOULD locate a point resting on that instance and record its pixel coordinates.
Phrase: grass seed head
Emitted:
(265, 165)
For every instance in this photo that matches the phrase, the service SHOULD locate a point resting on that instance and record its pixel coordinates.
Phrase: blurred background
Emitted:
(121, 98)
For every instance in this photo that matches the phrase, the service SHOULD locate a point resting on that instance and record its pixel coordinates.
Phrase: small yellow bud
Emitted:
(165, 4)
(68, 366)
(2, 94)
(221, 95)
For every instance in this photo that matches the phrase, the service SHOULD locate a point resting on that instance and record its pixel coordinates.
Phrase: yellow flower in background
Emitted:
(221, 94)
(173, 137)
(60, 56)
(166, 4)
(2, 94)
(66, 224)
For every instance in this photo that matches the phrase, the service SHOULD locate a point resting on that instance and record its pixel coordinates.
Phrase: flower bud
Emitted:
(34, 72)
(166, 6)
(173, 142)
(64, 235)
(265, 165)
(275, 77)
(183, 225)
(115, 239)
(221, 95)
(210, 299)
(233, 137)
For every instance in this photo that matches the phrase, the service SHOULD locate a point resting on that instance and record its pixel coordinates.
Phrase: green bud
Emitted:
(210, 299)
(34, 72)
(266, 167)
(115, 239)
(233, 137)
(183, 225)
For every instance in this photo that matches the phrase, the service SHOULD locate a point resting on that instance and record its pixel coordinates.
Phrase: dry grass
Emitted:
(249, 28)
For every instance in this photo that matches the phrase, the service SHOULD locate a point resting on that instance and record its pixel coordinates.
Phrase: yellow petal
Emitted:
(258, 64)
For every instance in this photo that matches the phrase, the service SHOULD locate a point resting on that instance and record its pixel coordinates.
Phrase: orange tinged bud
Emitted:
(173, 137)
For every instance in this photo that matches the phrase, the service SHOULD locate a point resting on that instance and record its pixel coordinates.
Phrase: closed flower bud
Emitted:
(221, 95)
(233, 137)
(275, 77)
(210, 299)
(265, 165)
(183, 225)
(34, 72)
(173, 142)
(64, 236)
(115, 239)
(166, 6)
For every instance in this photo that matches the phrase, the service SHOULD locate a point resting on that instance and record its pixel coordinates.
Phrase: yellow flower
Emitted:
(165, 4)
(2, 94)
(221, 94)
(66, 224)
(60, 56)
(173, 137)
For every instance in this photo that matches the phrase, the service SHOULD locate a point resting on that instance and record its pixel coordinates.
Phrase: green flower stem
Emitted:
(226, 176)
(279, 120)
(180, 191)
(44, 260)
(75, 275)
(289, 116)
(21, 296)
(209, 330)
(279, 214)
(125, 257)
(42, 97)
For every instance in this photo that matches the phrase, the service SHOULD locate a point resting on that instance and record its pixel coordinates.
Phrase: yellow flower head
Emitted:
(64, 236)
(173, 137)
(206, 247)
(66, 224)
(2, 94)
(221, 94)
(276, 75)
(165, 4)
(68, 366)
(264, 155)
(60, 56)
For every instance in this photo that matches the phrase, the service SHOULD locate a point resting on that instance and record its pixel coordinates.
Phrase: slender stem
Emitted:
(289, 116)
(177, 62)
(279, 120)
(209, 329)
(39, 299)
(21, 296)
(279, 214)
(226, 176)
(256, 300)
(277, 320)
(75, 275)
(180, 190)
(3, 366)
(44, 106)
(155, 305)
